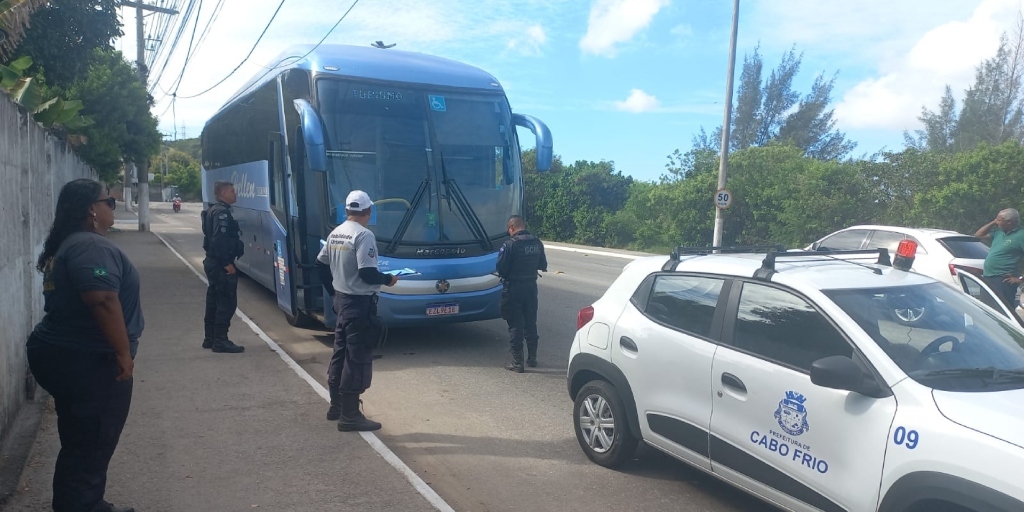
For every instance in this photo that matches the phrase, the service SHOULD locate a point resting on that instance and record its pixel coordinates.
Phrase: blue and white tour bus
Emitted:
(431, 140)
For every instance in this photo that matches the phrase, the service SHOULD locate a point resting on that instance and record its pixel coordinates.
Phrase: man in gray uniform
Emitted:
(348, 269)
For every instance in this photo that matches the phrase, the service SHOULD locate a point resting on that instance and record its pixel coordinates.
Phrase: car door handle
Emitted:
(628, 344)
(731, 381)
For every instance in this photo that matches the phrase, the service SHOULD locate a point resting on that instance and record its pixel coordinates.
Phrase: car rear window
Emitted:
(967, 247)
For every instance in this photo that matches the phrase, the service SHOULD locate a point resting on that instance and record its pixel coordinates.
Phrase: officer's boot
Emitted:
(334, 411)
(208, 338)
(352, 419)
(531, 354)
(222, 344)
(516, 364)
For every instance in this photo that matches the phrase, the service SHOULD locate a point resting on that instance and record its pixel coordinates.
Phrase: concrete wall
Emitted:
(33, 167)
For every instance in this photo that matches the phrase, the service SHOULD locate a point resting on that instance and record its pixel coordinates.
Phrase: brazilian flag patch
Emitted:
(99, 271)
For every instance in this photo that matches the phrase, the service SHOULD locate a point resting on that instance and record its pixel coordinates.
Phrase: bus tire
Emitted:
(299, 319)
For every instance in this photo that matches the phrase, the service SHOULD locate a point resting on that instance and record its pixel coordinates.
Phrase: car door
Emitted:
(666, 353)
(773, 431)
(849, 240)
(977, 288)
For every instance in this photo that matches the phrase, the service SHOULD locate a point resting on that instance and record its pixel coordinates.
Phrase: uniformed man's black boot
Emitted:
(221, 343)
(516, 365)
(208, 338)
(352, 419)
(334, 411)
(531, 354)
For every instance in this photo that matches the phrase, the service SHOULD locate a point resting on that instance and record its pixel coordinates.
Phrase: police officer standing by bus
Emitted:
(347, 266)
(223, 245)
(519, 259)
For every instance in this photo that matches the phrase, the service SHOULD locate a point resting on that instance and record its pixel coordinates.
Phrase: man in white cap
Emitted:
(348, 270)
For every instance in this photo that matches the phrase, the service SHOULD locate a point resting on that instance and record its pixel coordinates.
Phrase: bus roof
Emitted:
(371, 63)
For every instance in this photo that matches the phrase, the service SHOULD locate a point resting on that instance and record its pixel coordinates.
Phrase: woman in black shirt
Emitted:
(83, 350)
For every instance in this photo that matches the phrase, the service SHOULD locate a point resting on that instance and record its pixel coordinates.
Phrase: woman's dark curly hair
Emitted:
(73, 203)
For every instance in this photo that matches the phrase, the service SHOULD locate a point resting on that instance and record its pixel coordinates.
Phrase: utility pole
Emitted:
(723, 198)
(140, 62)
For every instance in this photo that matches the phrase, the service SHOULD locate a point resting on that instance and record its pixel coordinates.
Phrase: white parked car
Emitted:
(791, 377)
(939, 253)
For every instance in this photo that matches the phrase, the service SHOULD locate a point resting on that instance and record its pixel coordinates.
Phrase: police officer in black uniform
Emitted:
(223, 245)
(519, 259)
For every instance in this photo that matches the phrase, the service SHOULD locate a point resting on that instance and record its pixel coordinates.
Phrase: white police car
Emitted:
(791, 376)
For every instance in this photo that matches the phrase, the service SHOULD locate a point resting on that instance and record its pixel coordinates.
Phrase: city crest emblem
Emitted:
(792, 414)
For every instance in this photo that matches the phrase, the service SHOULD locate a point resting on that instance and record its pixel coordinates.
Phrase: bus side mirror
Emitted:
(540, 130)
(312, 136)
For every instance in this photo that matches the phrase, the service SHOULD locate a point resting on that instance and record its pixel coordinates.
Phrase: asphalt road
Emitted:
(485, 438)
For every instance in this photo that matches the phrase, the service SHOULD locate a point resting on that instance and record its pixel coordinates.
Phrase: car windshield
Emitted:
(939, 336)
(455, 150)
(966, 247)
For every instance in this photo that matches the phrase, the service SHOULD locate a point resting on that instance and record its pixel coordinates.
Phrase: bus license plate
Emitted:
(448, 308)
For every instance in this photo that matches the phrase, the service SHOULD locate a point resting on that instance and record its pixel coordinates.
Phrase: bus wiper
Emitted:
(403, 225)
(465, 209)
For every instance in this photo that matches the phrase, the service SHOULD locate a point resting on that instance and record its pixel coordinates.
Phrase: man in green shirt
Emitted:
(1002, 265)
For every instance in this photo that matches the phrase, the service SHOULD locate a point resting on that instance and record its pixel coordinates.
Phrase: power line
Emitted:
(279, 63)
(194, 50)
(214, 86)
(188, 53)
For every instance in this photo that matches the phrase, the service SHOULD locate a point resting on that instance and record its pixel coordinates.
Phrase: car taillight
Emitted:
(584, 317)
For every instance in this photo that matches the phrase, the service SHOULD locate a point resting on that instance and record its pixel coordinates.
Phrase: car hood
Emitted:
(999, 414)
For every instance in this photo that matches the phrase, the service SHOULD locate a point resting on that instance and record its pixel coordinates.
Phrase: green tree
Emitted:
(772, 111)
(940, 127)
(993, 108)
(62, 38)
(123, 129)
(182, 170)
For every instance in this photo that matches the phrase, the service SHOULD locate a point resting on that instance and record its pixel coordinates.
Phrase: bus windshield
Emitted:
(394, 140)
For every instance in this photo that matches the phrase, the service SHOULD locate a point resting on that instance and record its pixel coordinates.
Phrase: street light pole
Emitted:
(723, 163)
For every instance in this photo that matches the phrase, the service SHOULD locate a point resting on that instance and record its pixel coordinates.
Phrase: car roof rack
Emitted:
(768, 265)
(677, 254)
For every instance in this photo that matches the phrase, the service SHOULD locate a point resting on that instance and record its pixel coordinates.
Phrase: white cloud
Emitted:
(617, 21)
(946, 54)
(638, 101)
(530, 42)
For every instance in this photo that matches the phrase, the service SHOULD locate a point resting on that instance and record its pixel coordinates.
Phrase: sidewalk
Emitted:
(220, 432)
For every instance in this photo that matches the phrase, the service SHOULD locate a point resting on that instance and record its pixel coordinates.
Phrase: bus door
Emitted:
(279, 234)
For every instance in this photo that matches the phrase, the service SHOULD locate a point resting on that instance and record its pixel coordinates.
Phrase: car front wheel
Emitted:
(602, 429)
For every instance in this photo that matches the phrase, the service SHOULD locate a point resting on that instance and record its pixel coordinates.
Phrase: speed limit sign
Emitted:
(723, 198)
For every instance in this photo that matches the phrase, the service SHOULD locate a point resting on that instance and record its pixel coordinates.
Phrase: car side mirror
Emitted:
(840, 372)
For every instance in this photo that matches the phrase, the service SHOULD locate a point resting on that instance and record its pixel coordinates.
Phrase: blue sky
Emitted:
(622, 80)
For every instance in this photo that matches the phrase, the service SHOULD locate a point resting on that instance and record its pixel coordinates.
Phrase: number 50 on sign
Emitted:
(723, 198)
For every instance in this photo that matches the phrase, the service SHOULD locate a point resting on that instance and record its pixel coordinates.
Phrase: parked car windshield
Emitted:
(940, 337)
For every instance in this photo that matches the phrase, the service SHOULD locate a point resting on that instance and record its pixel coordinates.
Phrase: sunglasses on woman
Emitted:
(111, 202)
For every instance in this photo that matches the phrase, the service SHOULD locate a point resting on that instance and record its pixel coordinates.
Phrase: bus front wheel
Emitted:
(299, 319)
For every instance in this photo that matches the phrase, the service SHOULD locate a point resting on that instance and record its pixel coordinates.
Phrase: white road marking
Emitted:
(591, 251)
(425, 490)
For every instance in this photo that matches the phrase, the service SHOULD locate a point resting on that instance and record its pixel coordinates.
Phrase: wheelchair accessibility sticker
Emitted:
(437, 103)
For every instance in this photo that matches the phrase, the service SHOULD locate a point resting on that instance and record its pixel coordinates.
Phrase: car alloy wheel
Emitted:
(601, 424)
(597, 423)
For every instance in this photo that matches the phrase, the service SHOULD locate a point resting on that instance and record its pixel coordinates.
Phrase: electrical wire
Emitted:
(280, 62)
(214, 86)
(188, 53)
